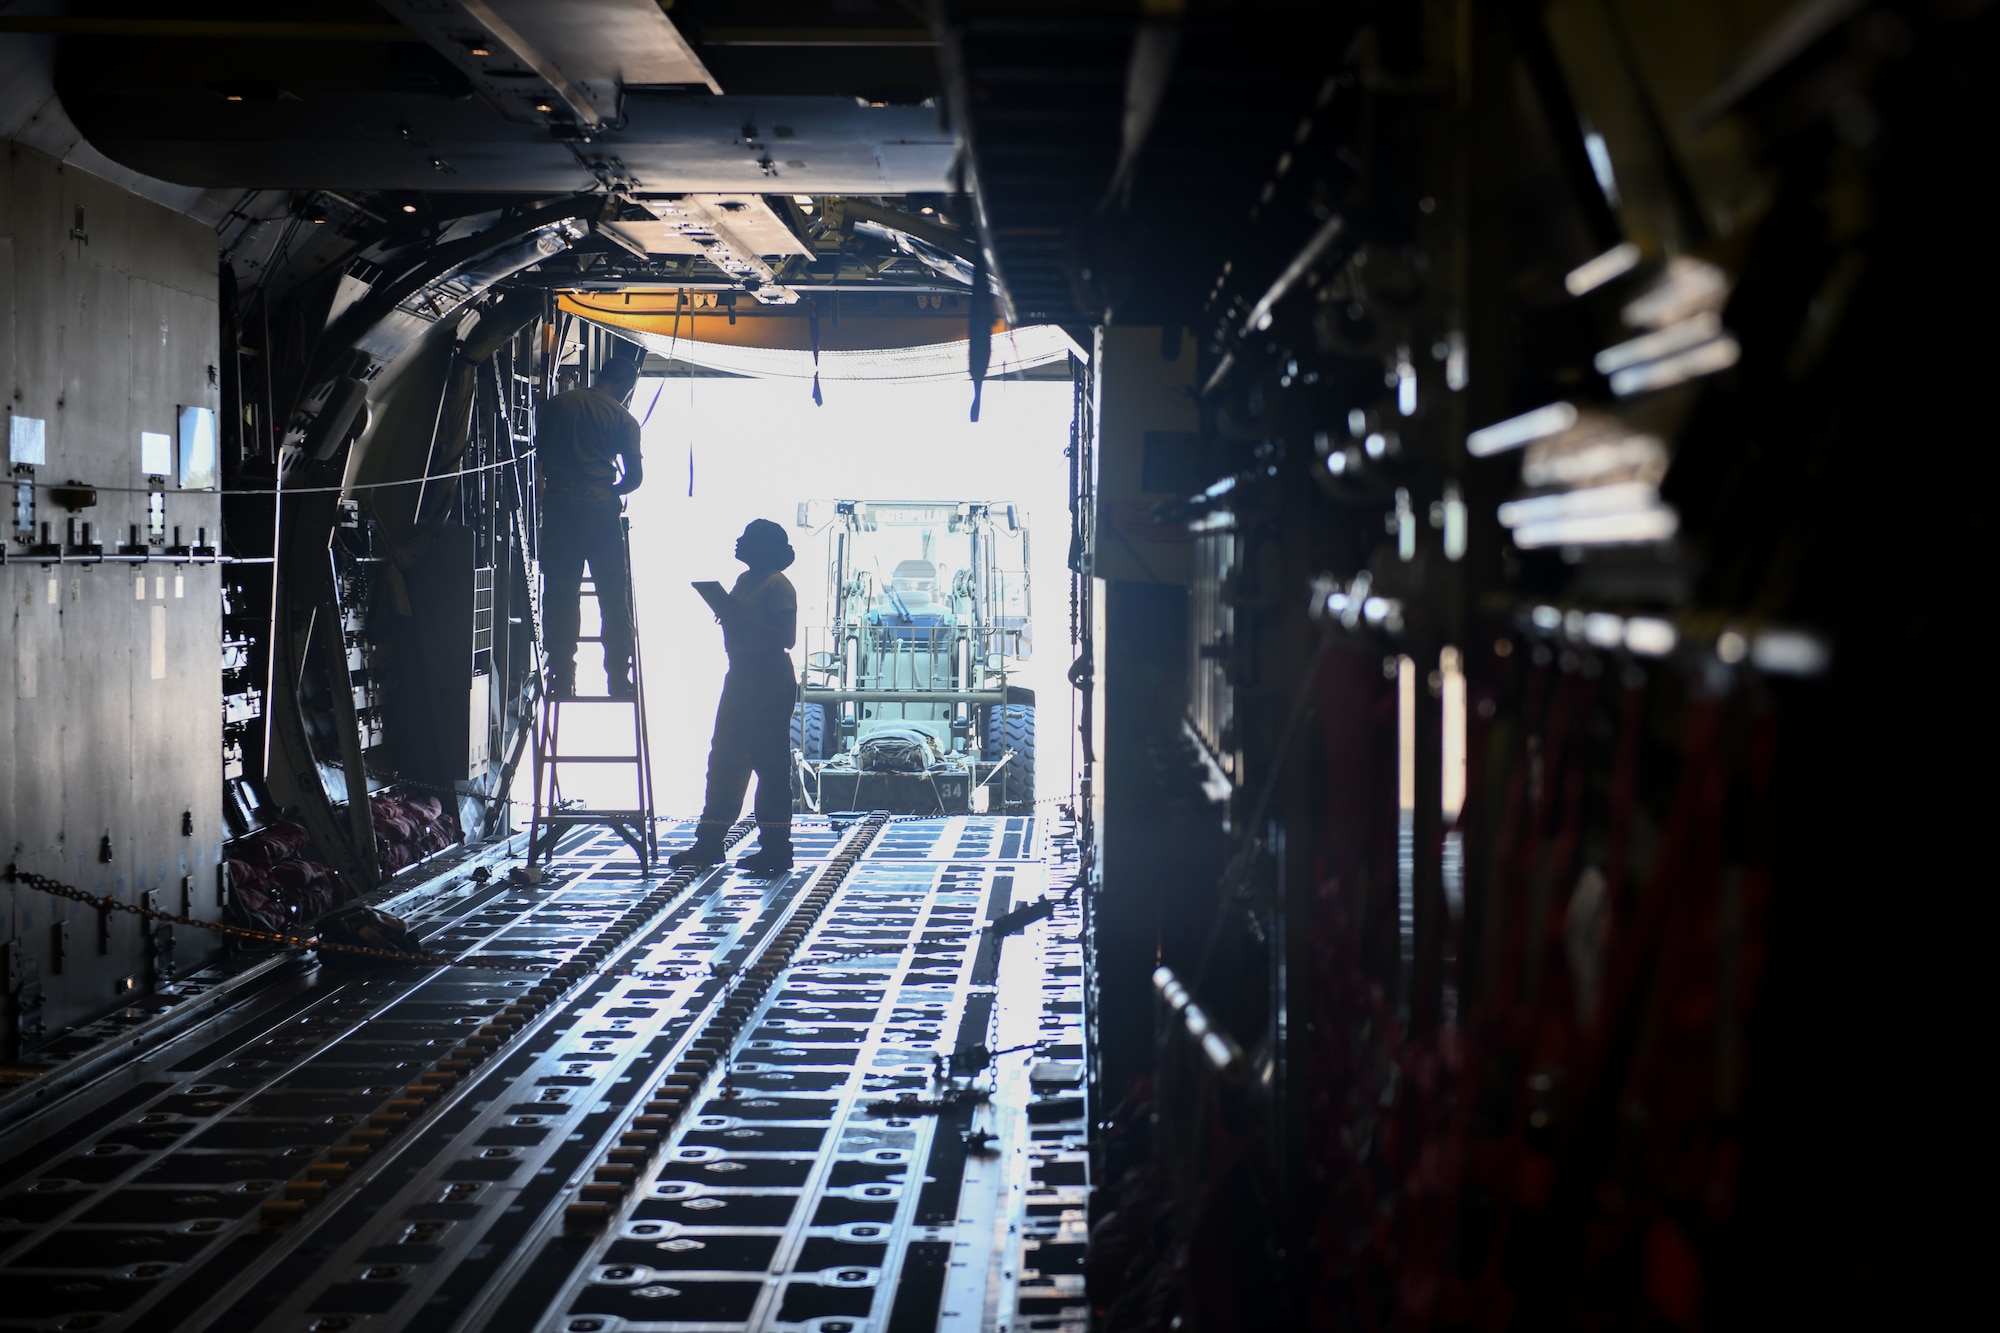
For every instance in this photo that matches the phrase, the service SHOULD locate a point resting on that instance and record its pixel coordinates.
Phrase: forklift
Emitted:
(904, 700)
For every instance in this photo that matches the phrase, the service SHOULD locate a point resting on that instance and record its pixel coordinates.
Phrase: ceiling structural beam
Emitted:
(524, 51)
(1155, 48)
(818, 37)
(722, 245)
(687, 231)
(206, 29)
(497, 65)
(910, 224)
(558, 62)
(952, 255)
(611, 232)
(958, 101)
(653, 139)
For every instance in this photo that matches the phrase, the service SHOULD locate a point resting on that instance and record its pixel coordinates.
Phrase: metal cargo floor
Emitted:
(698, 1102)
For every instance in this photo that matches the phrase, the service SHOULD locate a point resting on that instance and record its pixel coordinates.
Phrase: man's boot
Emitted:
(561, 683)
(707, 849)
(618, 680)
(774, 851)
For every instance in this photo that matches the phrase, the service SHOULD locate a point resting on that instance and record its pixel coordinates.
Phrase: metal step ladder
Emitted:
(551, 817)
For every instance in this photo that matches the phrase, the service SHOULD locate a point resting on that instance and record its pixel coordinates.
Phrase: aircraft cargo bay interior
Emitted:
(983, 666)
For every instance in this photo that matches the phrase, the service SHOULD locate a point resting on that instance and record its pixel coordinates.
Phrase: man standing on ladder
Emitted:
(760, 623)
(588, 445)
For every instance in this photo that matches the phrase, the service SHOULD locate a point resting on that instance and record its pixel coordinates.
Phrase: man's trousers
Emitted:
(575, 532)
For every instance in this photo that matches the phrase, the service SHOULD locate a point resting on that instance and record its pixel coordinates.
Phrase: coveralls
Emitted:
(753, 721)
(581, 437)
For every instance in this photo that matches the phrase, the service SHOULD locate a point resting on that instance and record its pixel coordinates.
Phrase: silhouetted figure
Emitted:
(753, 723)
(589, 450)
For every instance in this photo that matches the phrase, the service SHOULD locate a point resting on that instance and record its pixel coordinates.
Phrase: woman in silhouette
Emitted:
(753, 722)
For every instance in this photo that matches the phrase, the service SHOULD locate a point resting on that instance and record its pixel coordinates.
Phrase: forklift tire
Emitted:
(991, 727)
(1016, 731)
(808, 741)
(809, 730)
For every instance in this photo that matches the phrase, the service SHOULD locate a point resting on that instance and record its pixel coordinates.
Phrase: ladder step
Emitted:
(593, 699)
(591, 759)
(593, 816)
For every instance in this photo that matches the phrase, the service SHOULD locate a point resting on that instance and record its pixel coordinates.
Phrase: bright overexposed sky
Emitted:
(758, 448)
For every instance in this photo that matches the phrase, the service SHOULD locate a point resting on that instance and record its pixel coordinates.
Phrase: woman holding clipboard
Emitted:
(760, 618)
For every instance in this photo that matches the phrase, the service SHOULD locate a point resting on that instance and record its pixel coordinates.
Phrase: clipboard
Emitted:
(715, 595)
